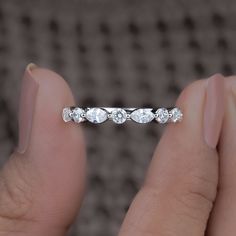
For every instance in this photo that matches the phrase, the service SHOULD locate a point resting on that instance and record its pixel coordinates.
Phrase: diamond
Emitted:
(142, 115)
(162, 115)
(176, 115)
(77, 115)
(96, 115)
(119, 115)
(66, 114)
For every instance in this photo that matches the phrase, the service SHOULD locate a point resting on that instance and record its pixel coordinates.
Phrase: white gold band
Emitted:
(97, 115)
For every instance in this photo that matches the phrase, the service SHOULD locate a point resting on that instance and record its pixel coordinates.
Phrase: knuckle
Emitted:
(196, 195)
(16, 193)
(151, 199)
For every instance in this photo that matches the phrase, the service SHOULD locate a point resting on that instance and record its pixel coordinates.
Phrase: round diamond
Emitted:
(142, 115)
(66, 114)
(176, 115)
(162, 115)
(119, 115)
(96, 115)
(77, 115)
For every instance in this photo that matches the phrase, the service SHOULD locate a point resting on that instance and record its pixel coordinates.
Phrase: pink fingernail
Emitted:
(214, 110)
(29, 90)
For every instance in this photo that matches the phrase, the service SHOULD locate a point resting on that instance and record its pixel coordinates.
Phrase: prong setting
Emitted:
(97, 115)
(119, 115)
(176, 115)
(78, 115)
(66, 114)
(162, 115)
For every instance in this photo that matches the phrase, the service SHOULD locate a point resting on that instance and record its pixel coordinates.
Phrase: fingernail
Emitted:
(29, 90)
(214, 110)
(233, 89)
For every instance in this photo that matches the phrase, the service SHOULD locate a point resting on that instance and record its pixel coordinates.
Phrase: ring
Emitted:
(98, 115)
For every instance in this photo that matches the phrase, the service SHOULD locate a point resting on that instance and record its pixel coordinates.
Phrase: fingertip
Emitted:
(50, 80)
(203, 105)
(192, 95)
(53, 95)
(56, 149)
(191, 102)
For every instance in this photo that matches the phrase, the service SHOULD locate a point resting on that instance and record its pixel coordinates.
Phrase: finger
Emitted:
(180, 186)
(42, 184)
(222, 221)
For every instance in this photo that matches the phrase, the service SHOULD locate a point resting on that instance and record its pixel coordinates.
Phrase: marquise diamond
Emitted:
(142, 115)
(96, 115)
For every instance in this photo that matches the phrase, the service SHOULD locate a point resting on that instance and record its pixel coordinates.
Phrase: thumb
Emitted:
(42, 183)
(180, 187)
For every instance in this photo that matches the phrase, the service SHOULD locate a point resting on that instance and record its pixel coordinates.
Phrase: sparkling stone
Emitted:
(66, 114)
(119, 115)
(162, 115)
(142, 115)
(77, 115)
(96, 115)
(176, 115)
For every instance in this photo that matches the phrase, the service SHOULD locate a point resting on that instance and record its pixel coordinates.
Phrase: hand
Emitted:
(42, 184)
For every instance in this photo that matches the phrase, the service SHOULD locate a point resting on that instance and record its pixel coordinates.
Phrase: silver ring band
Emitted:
(98, 115)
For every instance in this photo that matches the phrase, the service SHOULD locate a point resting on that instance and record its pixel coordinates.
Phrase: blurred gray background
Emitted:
(113, 53)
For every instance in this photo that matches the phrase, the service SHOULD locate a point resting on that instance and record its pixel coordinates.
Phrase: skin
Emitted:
(189, 188)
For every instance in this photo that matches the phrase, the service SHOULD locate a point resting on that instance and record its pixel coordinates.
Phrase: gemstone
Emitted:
(142, 115)
(77, 115)
(176, 115)
(119, 115)
(162, 115)
(96, 115)
(66, 114)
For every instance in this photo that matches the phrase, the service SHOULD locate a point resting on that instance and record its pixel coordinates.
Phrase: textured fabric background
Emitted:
(113, 53)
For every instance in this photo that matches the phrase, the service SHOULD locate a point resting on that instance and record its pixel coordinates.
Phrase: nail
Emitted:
(233, 89)
(29, 90)
(214, 110)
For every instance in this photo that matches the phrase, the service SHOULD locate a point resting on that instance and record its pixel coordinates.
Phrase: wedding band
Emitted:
(97, 115)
